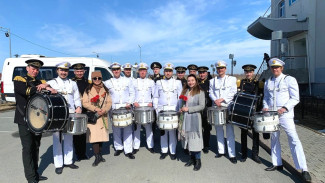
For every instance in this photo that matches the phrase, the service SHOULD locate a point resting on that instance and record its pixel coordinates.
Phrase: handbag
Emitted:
(93, 116)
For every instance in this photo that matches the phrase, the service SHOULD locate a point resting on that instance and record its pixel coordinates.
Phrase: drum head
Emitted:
(167, 113)
(37, 113)
(122, 110)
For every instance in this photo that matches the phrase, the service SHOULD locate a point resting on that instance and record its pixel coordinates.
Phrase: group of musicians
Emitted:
(281, 94)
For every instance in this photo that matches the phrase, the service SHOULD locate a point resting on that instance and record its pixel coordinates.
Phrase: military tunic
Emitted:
(79, 141)
(156, 77)
(250, 86)
(283, 91)
(183, 81)
(144, 90)
(167, 92)
(122, 93)
(204, 84)
(25, 87)
(69, 90)
(225, 88)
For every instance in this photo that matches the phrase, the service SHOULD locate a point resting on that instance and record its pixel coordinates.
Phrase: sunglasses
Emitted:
(97, 78)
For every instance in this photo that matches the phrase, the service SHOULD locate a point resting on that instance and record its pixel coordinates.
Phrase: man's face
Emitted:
(116, 72)
(276, 70)
(32, 71)
(180, 74)
(79, 73)
(127, 72)
(156, 70)
(192, 72)
(63, 73)
(168, 73)
(221, 71)
(249, 74)
(142, 73)
(203, 75)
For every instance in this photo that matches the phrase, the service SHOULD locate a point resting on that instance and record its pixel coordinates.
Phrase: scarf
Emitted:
(98, 87)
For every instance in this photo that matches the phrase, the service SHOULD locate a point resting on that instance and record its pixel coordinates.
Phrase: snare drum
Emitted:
(77, 124)
(243, 109)
(122, 117)
(46, 113)
(217, 115)
(167, 120)
(266, 122)
(144, 115)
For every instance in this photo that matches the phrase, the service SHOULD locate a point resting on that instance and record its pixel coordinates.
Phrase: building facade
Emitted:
(296, 29)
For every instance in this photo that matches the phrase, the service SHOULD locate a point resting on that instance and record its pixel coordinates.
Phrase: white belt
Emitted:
(143, 104)
(117, 106)
(169, 108)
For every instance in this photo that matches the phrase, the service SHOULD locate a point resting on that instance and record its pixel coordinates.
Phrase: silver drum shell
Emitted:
(77, 124)
(217, 115)
(144, 115)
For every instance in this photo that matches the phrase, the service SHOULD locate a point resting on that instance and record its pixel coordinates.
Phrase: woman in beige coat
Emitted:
(98, 133)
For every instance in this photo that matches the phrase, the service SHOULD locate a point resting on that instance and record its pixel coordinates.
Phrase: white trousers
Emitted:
(125, 134)
(297, 151)
(230, 139)
(149, 135)
(67, 141)
(172, 141)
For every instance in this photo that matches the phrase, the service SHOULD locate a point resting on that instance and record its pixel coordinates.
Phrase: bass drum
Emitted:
(46, 113)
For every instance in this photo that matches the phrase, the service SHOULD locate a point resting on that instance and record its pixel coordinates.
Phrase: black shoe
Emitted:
(273, 168)
(41, 178)
(205, 150)
(151, 150)
(219, 155)
(256, 159)
(97, 160)
(186, 152)
(72, 166)
(163, 156)
(135, 151)
(173, 156)
(101, 158)
(306, 176)
(197, 165)
(190, 162)
(162, 132)
(243, 159)
(130, 156)
(118, 152)
(59, 170)
(233, 160)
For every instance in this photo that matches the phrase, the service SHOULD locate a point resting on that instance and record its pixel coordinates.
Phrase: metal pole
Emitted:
(9, 42)
(232, 66)
(140, 53)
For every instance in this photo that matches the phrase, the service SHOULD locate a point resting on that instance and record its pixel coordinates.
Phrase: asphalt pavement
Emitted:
(146, 167)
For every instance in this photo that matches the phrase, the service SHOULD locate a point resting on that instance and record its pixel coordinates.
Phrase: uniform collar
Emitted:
(202, 81)
(30, 76)
(63, 79)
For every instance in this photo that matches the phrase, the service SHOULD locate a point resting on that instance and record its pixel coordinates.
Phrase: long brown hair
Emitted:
(196, 89)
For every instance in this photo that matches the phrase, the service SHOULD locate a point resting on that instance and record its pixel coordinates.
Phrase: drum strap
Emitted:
(60, 137)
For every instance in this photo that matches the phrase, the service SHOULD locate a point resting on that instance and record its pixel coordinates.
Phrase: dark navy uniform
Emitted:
(79, 141)
(181, 69)
(24, 88)
(206, 127)
(250, 86)
(156, 77)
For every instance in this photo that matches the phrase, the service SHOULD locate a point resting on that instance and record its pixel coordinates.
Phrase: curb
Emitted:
(7, 109)
(286, 163)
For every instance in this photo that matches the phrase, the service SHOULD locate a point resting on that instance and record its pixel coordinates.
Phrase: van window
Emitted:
(106, 75)
(46, 73)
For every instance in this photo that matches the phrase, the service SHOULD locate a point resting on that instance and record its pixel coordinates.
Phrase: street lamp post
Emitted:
(233, 63)
(8, 36)
(140, 53)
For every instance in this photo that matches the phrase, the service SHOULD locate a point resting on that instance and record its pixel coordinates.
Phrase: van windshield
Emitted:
(46, 73)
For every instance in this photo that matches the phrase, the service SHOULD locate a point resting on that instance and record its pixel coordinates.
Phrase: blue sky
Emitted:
(181, 32)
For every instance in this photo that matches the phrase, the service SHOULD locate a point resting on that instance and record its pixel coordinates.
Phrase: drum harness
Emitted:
(220, 88)
(275, 89)
(144, 87)
(168, 90)
(118, 88)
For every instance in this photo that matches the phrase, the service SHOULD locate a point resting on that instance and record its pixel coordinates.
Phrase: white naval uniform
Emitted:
(225, 88)
(122, 92)
(144, 90)
(69, 90)
(166, 94)
(286, 92)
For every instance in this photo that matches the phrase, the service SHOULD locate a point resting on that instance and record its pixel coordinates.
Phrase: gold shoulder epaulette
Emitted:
(89, 81)
(19, 78)
(261, 84)
(43, 81)
(238, 83)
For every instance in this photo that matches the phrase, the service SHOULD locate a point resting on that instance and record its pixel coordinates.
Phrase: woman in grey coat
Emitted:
(192, 124)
